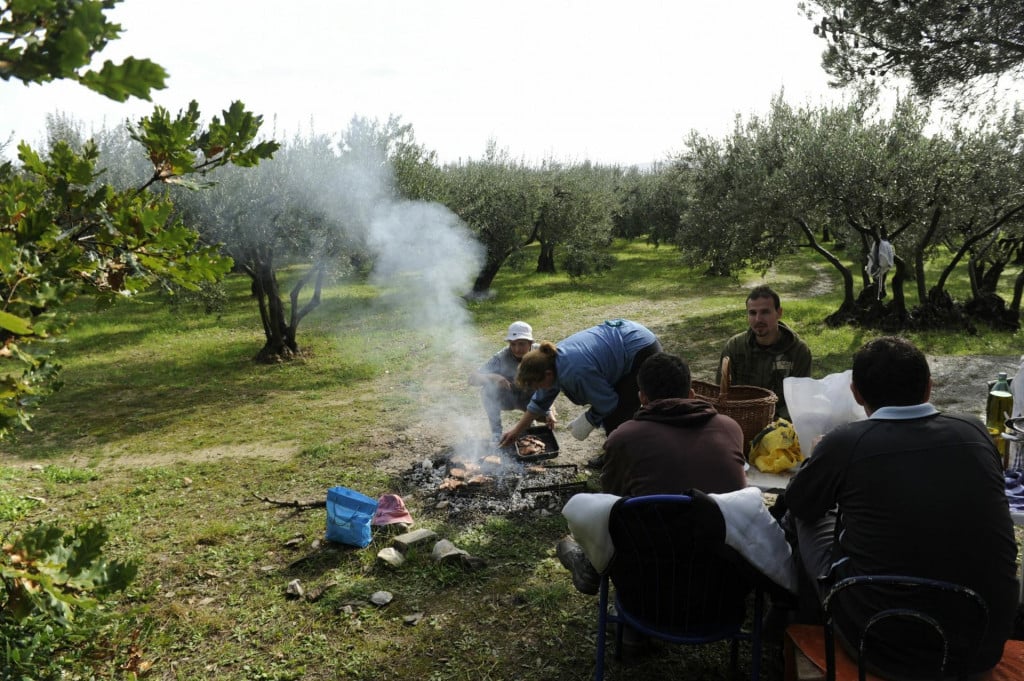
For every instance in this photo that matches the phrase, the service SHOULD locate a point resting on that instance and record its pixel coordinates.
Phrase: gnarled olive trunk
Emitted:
(486, 276)
(546, 259)
(279, 326)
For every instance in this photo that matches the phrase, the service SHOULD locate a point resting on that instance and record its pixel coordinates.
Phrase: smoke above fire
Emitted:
(425, 260)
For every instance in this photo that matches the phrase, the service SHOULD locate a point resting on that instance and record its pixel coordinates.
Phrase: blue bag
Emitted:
(348, 516)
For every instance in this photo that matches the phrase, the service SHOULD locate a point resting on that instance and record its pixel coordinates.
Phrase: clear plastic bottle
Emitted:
(999, 407)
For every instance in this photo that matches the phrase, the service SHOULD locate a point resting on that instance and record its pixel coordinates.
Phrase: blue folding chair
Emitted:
(675, 578)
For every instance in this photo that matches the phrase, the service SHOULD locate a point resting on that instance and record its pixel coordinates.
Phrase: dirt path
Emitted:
(959, 384)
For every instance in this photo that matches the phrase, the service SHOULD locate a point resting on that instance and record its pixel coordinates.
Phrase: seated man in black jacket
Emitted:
(908, 491)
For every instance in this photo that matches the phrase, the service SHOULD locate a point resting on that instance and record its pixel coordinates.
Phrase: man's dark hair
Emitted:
(765, 291)
(890, 372)
(664, 375)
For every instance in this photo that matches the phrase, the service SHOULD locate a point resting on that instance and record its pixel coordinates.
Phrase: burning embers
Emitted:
(479, 476)
(488, 473)
(479, 466)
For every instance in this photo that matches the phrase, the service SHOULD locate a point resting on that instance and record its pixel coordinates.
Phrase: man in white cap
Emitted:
(497, 379)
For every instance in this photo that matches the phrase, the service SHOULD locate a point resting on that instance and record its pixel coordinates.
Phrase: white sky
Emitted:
(621, 82)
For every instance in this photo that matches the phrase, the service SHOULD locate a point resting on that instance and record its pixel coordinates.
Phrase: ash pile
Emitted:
(479, 478)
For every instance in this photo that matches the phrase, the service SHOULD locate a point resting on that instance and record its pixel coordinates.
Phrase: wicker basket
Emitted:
(750, 406)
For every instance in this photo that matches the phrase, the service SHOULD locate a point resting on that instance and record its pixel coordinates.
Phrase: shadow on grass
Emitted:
(114, 396)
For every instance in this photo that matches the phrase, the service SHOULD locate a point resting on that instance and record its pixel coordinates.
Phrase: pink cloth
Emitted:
(391, 509)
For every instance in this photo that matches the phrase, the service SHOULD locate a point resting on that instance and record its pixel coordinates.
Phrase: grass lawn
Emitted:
(167, 432)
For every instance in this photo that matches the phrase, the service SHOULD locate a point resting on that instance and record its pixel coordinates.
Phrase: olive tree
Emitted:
(775, 184)
(985, 214)
(574, 219)
(651, 202)
(499, 199)
(263, 225)
(737, 214)
(310, 206)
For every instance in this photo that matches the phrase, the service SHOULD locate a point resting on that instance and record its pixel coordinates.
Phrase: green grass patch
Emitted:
(169, 433)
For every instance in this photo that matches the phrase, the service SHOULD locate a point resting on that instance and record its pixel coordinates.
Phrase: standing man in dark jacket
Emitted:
(768, 351)
(908, 491)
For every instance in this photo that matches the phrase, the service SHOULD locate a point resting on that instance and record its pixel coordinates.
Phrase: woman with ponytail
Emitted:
(595, 367)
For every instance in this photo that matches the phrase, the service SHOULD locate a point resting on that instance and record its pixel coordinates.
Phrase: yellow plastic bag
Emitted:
(776, 448)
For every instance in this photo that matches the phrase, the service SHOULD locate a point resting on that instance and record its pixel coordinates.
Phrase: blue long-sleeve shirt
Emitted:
(588, 364)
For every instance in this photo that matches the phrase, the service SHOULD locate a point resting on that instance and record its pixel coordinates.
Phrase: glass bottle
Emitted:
(998, 408)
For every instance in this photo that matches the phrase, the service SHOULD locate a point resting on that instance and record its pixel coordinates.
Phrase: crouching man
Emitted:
(497, 379)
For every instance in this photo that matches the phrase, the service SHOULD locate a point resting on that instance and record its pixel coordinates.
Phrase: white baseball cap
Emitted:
(519, 331)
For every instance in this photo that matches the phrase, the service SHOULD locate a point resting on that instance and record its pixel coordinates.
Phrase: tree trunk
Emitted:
(969, 243)
(972, 277)
(865, 246)
(493, 264)
(279, 337)
(933, 226)
(1018, 291)
(486, 276)
(546, 259)
(989, 280)
(848, 298)
(899, 299)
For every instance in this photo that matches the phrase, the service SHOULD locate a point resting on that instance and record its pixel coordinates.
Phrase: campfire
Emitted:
(476, 475)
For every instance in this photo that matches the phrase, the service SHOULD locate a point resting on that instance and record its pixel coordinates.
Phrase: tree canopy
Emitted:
(46, 40)
(942, 46)
(63, 232)
(853, 174)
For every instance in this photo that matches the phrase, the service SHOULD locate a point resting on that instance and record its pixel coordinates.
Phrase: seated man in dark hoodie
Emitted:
(672, 444)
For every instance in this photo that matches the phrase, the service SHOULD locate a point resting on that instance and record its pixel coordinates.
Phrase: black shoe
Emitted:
(597, 462)
(584, 576)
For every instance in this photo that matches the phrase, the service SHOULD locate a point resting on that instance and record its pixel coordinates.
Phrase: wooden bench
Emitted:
(804, 655)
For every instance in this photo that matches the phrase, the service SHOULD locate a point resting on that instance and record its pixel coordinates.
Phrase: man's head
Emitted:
(520, 339)
(662, 376)
(764, 310)
(890, 372)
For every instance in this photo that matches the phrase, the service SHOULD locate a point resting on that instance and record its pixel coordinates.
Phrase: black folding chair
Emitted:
(944, 621)
(675, 578)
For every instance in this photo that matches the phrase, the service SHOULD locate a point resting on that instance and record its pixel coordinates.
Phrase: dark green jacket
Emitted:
(765, 367)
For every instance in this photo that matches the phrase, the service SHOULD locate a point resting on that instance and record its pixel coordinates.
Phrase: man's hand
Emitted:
(581, 427)
(551, 418)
